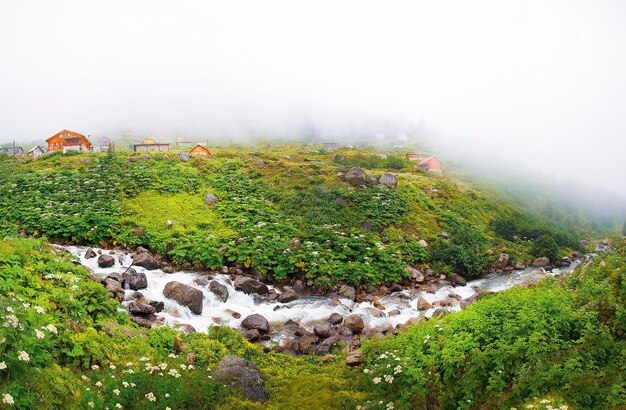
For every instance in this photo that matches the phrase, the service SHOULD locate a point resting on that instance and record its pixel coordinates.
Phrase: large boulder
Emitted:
(185, 295)
(256, 321)
(90, 253)
(422, 304)
(323, 330)
(112, 285)
(221, 291)
(135, 280)
(541, 262)
(502, 261)
(347, 292)
(457, 280)
(210, 199)
(520, 265)
(389, 179)
(355, 177)
(250, 285)
(146, 260)
(241, 375)
(355, 323)
(106, 261)
(287, 296)
(140, 309)
(335, 319)
(415, 275)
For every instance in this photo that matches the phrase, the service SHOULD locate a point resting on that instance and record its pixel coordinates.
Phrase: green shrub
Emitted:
(546, 246)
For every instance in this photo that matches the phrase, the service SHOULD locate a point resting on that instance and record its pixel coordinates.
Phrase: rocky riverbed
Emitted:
(283, 318)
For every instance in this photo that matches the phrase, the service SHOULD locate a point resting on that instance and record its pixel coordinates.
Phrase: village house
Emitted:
(431, 164)
(12, 151)
(182, 142)
(200, 151)
(68, 141)
(150, 144)
(416, 156)
(37, 151)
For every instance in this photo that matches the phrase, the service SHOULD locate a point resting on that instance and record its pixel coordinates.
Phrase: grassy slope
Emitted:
(111, 201)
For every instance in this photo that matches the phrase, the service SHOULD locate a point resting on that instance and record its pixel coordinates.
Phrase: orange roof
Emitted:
(63, 132)
(426, 161)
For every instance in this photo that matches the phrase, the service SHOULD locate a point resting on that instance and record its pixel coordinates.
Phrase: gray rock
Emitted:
(445, 235)
(157, 305)
(140, 309)
(249, 285)
(241, 375)
(389, 179)
(185, 295)
(106, 261)
(112, 285)
(183, 156)
(503, 261)
(354, 358)
(90, 254)
(335, 319)
(347, 292)
(135, 280)
(287, 296)
(323, 330)
(422, 304)
(146, 260)
(221, 291)
(355, 323)
(520, 265)
(541, 262)
(355, 177)
(256, 321)
(423, 243)
(416, 275)
(457, 280)
(210, 199)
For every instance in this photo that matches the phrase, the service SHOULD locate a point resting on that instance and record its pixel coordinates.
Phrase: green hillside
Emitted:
(277, 212)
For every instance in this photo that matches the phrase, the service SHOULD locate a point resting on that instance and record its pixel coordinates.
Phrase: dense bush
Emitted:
(464, 252)
(546, 246)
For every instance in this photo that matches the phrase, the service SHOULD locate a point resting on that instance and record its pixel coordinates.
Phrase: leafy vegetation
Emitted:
(65, 344)
(276, 213)
(563, 340)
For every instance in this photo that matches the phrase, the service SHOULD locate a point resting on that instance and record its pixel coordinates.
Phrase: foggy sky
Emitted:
(539, 82)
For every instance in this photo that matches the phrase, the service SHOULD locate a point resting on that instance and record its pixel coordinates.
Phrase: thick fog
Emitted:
(538, 83)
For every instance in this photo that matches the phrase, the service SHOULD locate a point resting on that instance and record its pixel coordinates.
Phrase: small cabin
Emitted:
(200, 151)
(68, 141)
(415, 156)
(150, 146)
(431, 164)
(37, 151)
(12, 151)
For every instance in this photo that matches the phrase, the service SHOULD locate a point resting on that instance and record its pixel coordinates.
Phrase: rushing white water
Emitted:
(307, 310)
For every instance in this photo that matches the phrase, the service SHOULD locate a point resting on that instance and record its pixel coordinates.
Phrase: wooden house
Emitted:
(415, 156)
(151, 146)
(200, 151)
(37, 151)
(12, 151)
(431, 164)
(68, 141)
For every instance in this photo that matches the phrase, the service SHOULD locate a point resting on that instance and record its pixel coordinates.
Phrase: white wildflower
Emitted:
(150, 396)
(377, 380)
(39, 334)
(23, 356)
(51, 328)
(8, 399)
(3, 365)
